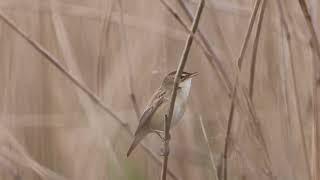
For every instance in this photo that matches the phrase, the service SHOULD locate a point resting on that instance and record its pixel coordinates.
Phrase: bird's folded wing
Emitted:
(157, 99)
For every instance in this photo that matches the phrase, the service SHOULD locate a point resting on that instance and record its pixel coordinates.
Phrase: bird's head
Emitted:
(185, 79)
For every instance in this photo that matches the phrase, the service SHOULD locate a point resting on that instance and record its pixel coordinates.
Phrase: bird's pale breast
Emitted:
(157, 121)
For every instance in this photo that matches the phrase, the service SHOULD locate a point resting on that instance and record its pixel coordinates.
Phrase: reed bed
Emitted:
(75, 77)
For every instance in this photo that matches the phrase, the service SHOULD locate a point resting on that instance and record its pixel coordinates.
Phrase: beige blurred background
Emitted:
(50, 129)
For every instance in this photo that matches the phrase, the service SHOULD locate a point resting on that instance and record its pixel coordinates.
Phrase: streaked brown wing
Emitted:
(157, 99)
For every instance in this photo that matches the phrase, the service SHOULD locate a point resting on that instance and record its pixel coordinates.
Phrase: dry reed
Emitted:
(56, 63)
(179, 71)
(295, 90)
(255, 50)
(216, 40)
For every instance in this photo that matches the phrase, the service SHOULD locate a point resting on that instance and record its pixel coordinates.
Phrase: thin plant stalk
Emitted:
(105, 27)
(215, 66)
(212, 58)
(314, 4)
(203, 48)
(286, 41)
(315, 174)
(220, 34)
(66, 48)
(216, 167)
(316, 125)
(180, 68)
(213, 164)
(295, 91)
(56, 63)
(255, 50)
(301, 127)
(232, 108)
(316, 48)
(128, 63)
(17, 155)
(214, 61)
(252, 77)
(307, 16)
(210, 54)
(316, 88)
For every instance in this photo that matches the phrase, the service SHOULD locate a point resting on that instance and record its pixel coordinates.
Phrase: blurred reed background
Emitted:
(119, 49)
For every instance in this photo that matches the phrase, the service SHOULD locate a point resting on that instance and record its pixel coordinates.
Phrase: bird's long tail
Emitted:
(136, 141)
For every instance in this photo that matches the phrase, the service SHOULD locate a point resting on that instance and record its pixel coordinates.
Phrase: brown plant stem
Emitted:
(104, 30)
(232, 108)
(316, 125)
(213, 164)
(295, 88)
(213, 59)
(307, 16)
(287, 51)
(186, 28)
(215, 64)
(252, 77)
(56, 63)
(180, 68)
(315, 46)
(255, 50)
(128, 63)
(315, 157)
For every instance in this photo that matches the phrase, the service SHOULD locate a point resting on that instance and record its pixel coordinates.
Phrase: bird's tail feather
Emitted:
(135, 142)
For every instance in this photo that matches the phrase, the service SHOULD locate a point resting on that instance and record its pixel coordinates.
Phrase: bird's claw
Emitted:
(162, 137)
(165, 150)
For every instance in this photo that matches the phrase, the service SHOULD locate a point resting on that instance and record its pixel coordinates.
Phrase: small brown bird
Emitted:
(153, 117)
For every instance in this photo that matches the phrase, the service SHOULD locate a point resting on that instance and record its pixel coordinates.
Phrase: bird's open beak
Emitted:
(193, 74)
(190, 75)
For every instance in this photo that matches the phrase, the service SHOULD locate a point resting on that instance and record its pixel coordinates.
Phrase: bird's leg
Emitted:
(168, 139)
(165, 150)
(158, 132)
